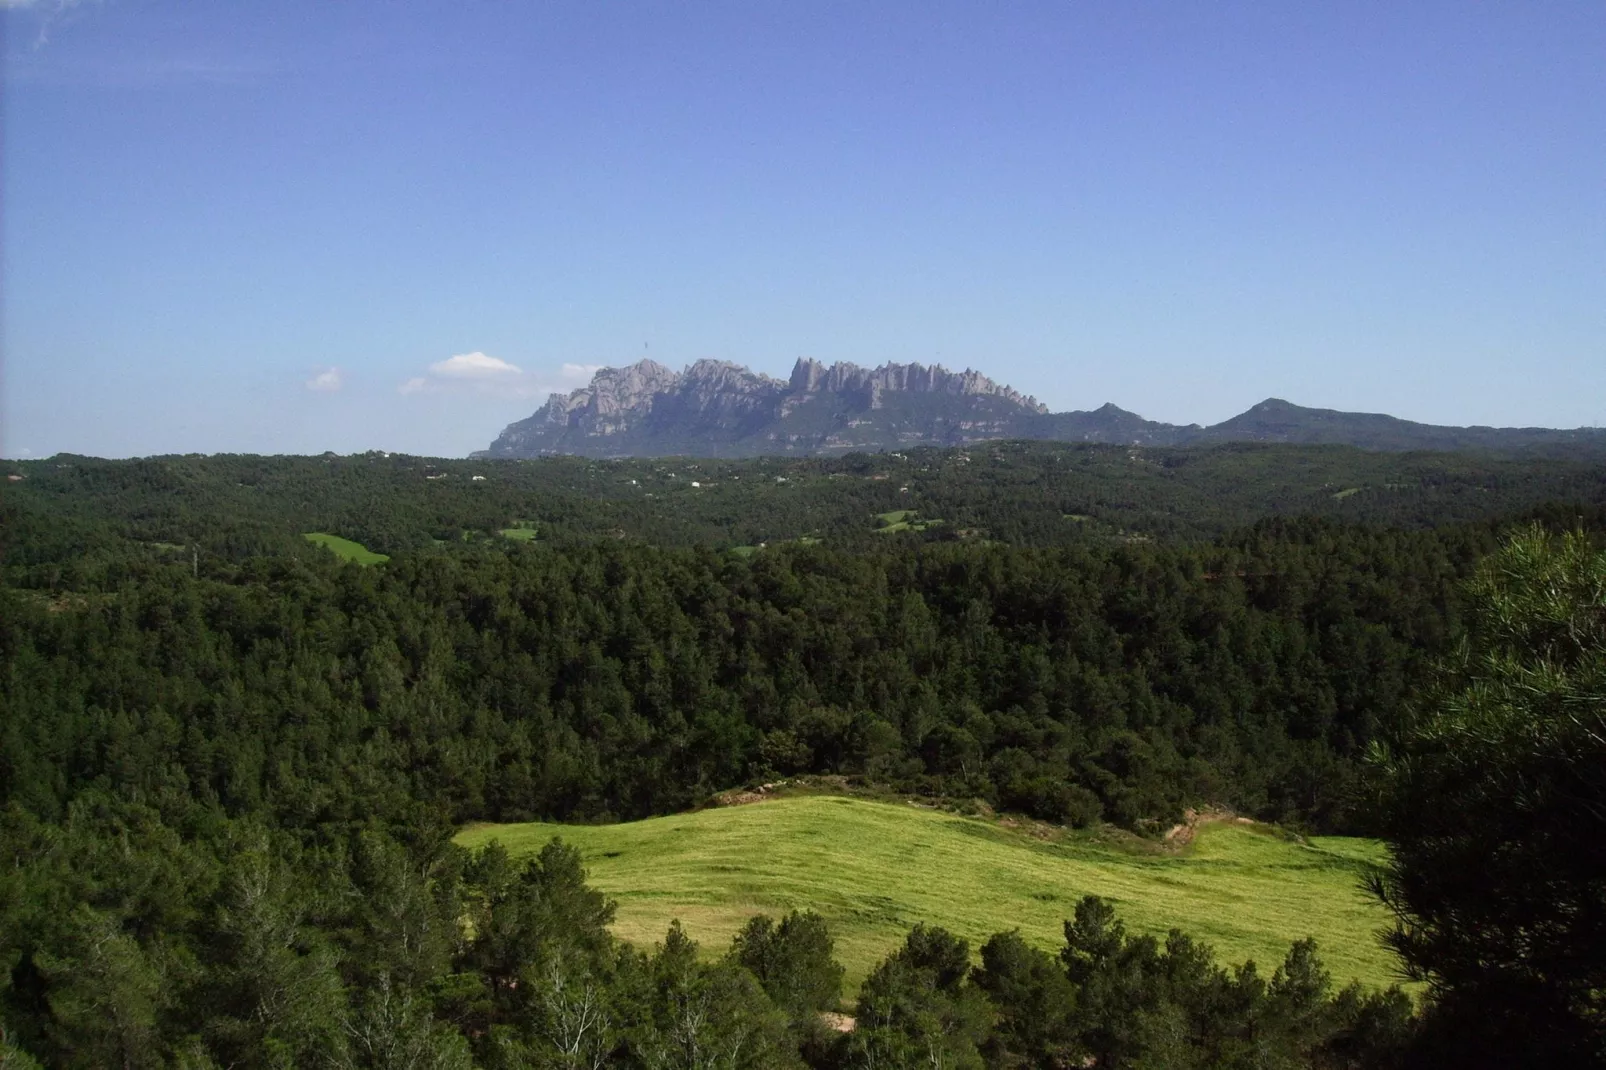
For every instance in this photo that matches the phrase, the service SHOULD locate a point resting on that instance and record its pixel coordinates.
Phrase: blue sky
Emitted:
(298, 226)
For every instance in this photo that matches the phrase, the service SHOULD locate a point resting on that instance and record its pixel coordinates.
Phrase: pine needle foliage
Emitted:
(1495, 805)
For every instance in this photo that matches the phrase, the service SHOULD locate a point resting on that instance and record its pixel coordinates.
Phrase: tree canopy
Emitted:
(231, 763)
(1495, 805)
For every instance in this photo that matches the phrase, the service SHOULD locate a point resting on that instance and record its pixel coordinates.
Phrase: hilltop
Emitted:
(720, 409)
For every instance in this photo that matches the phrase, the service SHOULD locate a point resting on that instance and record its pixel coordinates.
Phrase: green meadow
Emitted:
(903, 520)
(521, 531)
(351, 551)
(874, 869)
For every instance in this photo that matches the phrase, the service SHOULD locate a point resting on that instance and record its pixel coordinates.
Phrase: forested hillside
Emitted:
(169, 633)
(599, 680)
(231, 762)
(1021, 493)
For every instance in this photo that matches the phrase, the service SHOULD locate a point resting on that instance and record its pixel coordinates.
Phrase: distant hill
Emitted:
(1275, 420)
(720, 409)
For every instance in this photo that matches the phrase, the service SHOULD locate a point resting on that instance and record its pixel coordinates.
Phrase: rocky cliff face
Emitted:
(812, 377)
(615, 398)
(718, 409)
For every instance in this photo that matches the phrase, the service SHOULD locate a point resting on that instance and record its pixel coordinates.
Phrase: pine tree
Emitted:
(1494, 804)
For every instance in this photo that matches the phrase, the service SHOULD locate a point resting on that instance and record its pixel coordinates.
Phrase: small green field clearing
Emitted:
(874, 869)
(351, 551)
(519, 534)
(903, 520)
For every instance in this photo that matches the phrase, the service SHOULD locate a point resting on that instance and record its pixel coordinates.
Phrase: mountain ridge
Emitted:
(717, 408)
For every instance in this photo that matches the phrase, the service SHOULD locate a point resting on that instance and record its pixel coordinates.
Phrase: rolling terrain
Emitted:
(875, 869)
(1020, 493)
(715, 408)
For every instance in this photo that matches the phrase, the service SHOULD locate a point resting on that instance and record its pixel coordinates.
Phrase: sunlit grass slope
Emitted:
(351, 551)
(874, 869)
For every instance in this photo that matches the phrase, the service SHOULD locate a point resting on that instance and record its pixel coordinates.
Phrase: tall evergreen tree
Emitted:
(1495, 805)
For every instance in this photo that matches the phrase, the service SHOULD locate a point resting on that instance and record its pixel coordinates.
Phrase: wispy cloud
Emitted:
(473, 366)
(94, 68)
(579, 374)
(50, 13)
(480, 373)
(325, 382)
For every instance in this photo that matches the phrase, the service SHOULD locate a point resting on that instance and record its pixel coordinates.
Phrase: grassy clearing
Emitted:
(874, 869)
(351, 551)
(903, 520)
(521, 531)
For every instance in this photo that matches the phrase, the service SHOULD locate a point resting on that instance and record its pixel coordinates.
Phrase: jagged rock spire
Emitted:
(647, 406)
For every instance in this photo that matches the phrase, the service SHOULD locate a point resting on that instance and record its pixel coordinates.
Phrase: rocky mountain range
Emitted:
(717, 408)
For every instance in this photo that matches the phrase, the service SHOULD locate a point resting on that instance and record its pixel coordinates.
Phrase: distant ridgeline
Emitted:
(720, 409)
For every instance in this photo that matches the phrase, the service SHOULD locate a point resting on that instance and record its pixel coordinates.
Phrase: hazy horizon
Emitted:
(297, 227)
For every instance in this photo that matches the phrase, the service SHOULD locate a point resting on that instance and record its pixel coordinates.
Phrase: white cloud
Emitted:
(492, 377)
(473, 366)
(579, 373)
(325, 382)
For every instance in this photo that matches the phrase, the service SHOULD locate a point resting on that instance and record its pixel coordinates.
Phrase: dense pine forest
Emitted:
(605, 680)
(1020, 493)
(231, 762)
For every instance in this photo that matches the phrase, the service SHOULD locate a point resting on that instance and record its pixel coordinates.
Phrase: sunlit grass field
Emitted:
(903, 520)
(351, 551)
(874, 869)
(521, 531)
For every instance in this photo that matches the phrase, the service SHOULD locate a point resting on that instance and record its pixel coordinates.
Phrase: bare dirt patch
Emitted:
(744, 796)
(779, 789)
(1029, 826)
(1179, 836)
